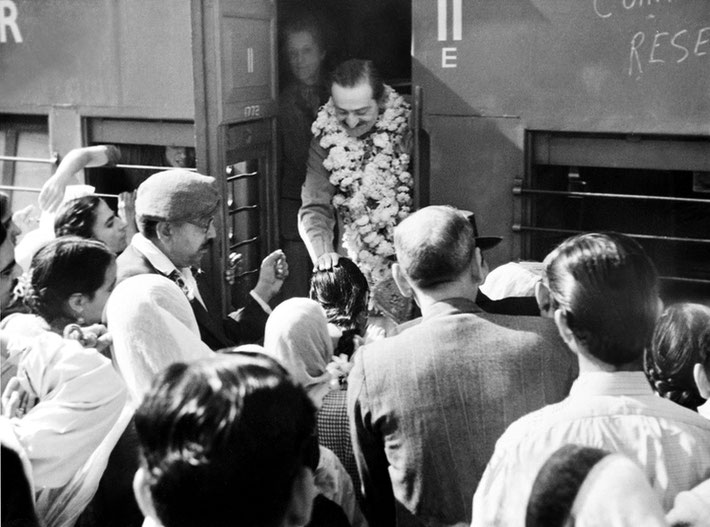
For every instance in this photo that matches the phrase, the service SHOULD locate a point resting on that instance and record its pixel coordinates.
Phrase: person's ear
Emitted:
(564, 330)
(400, 278)
(164, 230)
(76, 303)
(700, 377)
(300, 506)
(144, 498)
(544, 302)
(479, 271)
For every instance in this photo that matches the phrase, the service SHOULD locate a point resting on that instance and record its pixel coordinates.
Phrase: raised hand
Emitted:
(273, 272)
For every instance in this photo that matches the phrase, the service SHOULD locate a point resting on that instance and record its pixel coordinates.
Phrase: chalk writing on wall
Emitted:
(654, 47)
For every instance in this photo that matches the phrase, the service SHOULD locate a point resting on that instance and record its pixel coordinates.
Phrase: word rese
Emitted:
(656, 49)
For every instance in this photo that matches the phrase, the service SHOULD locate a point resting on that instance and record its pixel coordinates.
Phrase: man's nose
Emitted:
(16, 272)
(352, 120)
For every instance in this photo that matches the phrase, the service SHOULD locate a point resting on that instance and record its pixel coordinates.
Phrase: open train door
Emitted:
(234, 58)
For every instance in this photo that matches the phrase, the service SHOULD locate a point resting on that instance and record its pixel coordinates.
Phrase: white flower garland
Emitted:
(373, 187)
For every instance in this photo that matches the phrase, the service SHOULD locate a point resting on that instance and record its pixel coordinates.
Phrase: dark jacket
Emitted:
(216, 332)
(427, 406)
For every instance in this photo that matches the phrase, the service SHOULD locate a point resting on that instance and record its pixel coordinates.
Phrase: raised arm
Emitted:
(90, 156)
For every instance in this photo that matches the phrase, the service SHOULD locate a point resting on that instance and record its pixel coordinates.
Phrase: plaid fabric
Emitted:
(334, 433)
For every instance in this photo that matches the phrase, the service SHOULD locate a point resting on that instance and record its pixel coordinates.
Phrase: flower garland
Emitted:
(373, 187)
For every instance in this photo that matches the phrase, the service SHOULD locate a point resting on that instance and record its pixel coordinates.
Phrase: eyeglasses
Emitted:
(204, 225)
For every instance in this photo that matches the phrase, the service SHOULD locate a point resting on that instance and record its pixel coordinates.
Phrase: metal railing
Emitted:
(639, 197)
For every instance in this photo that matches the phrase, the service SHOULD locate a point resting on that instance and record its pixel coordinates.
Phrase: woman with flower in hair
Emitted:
(298, 336)
(68, 284)
(678, 361)
(343, 293)
(357, 174)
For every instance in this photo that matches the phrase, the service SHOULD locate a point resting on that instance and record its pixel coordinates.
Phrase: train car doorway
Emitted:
(314, 37)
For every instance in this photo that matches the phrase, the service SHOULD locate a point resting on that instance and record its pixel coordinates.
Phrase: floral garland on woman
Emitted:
(373, 189)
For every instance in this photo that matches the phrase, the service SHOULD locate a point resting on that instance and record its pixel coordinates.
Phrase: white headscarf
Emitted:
(153, 326)
(297, 335)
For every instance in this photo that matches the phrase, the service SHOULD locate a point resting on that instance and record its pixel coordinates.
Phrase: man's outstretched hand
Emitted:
(326, 261)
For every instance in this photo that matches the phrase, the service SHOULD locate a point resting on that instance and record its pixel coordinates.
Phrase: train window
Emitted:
(26, 161)
(146, 148)
(652, 188)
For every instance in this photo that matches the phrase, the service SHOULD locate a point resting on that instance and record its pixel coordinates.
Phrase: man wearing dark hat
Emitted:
(175, 212)
(514, 305)
(427, 405)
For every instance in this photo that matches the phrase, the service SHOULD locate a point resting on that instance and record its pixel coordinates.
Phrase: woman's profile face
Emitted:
(304, 56)
(109, 228)
(94, 307)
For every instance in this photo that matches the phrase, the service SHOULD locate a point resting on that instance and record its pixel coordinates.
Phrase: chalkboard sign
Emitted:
(586, 65)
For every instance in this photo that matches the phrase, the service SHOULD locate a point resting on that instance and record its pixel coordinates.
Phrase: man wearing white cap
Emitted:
(175, 215)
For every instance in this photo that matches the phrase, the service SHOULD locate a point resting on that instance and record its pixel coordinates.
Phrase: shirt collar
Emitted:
(611, 383)
(155, 256)
(452, 306)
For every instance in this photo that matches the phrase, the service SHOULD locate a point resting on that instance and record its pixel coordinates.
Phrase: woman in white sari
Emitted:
(79, 396)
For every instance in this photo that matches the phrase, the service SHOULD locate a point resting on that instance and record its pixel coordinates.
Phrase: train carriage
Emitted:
(544, 117)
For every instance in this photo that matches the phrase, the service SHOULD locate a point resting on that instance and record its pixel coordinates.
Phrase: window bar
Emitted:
(241, 175)
(519, 228)
(147, 167)
(244, 242)
(685, 279)
(244, 208)
(246, 273)
(38, 190)
(520, 190)
(54, 160)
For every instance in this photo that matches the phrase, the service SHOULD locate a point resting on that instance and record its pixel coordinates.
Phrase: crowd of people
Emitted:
(127, 401)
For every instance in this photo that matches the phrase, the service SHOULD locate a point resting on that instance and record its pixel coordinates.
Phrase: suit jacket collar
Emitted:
(158, 260)
(452, 306)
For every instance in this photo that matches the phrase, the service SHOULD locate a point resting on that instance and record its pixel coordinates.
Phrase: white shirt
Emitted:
(164, 266)
(613, 411)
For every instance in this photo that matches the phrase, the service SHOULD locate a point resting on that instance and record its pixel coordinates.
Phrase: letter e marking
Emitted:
(448, 57)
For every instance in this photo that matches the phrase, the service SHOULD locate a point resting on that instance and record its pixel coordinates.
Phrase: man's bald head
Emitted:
(435, 245)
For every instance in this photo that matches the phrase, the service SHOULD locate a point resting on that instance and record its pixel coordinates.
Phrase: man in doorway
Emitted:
(175, 212)
(427, 405)
(356, 175)
(299, 101)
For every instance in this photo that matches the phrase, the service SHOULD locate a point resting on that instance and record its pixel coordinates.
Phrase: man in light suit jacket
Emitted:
(175, 214)
(427, 405)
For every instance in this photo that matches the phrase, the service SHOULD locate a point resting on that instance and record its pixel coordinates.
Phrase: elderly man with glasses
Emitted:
(175, 212)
